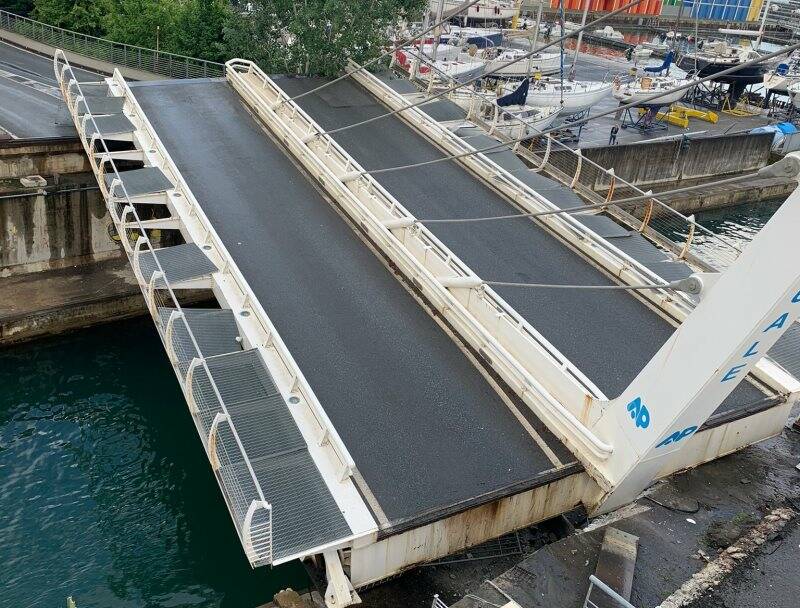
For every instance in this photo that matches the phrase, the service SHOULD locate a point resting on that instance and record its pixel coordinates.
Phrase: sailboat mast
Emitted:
(535, 38)
(763, 24)
(580, 34)
(437, 31)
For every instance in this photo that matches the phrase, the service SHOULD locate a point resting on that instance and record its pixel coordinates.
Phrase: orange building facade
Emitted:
(647, 7)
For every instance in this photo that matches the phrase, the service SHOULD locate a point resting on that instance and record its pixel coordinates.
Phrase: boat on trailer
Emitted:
(570, 96)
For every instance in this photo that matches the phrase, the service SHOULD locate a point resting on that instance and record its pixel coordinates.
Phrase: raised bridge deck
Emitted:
(427, 432)
(431, 433)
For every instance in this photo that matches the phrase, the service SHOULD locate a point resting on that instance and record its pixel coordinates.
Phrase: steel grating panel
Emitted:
(139, 182)
(101, 105)
(786, 351)
(245, 376)
(92, 89)
(108, 126)
(305, 515)
(265, 426)
(214, 330)
(179, 263)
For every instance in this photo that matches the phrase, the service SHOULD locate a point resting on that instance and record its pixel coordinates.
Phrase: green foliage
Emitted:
(313, 36)
(20, 7)
(199, 29)
(147, 23)
(84, 16)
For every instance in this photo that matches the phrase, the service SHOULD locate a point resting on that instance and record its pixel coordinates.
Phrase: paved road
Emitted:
(30, 102)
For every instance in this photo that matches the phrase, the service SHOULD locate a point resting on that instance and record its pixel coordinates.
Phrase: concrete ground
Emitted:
(53, 301)
(769, 579)
(683, 523)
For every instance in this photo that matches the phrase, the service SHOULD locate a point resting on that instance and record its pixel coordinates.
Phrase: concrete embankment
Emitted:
(675, 163)
(61, 266)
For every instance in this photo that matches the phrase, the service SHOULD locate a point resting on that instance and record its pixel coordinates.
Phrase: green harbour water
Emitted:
(106, 493)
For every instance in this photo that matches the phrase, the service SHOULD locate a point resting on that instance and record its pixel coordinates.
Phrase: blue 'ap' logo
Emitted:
(639, 413)
(677, 436)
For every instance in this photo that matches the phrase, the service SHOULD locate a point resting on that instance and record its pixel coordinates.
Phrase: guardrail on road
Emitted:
(169, 65)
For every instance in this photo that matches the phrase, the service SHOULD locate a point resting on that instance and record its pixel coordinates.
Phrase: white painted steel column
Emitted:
(740, 317)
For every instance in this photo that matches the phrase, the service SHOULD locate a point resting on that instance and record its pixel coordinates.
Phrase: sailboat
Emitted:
(481, 37)
(462, 69)
(609, 32)
(570, 96)
(515, 117)
(717, 55)
(652, 82)
(785, 74)
(501, 60)
(794, 93)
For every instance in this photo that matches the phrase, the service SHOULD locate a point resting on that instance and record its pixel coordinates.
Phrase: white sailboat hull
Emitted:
(574, 101)
(794, 93)
(545, 63)
(636, 94)
(779, 84)
(527, 127)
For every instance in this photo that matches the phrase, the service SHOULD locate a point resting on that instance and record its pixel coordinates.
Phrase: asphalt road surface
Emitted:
(30, 101)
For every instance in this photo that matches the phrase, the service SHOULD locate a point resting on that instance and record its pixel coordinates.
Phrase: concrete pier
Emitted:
(61, 266)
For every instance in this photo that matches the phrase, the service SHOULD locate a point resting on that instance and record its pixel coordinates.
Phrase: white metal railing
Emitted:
(669, 223)
(134, 239)
(437, 602)
(117, 53)
(610, 597)
(511, 346)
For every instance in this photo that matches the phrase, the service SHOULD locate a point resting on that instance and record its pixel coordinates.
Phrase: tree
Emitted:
(199, 29)
(84, 16)
(146, 23)
(313, 36)
(20, 7)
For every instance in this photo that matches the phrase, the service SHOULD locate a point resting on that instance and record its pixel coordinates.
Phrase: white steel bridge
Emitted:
(361, 391)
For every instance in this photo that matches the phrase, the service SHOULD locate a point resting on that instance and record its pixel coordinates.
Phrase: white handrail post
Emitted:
(255, 554)
(575, 177)
(212, 439)
(189, 383)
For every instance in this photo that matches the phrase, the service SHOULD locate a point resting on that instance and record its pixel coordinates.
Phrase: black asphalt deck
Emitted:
(609, 335)
(425, 429)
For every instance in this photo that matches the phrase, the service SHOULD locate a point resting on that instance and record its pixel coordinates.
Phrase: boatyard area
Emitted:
(448, 303)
